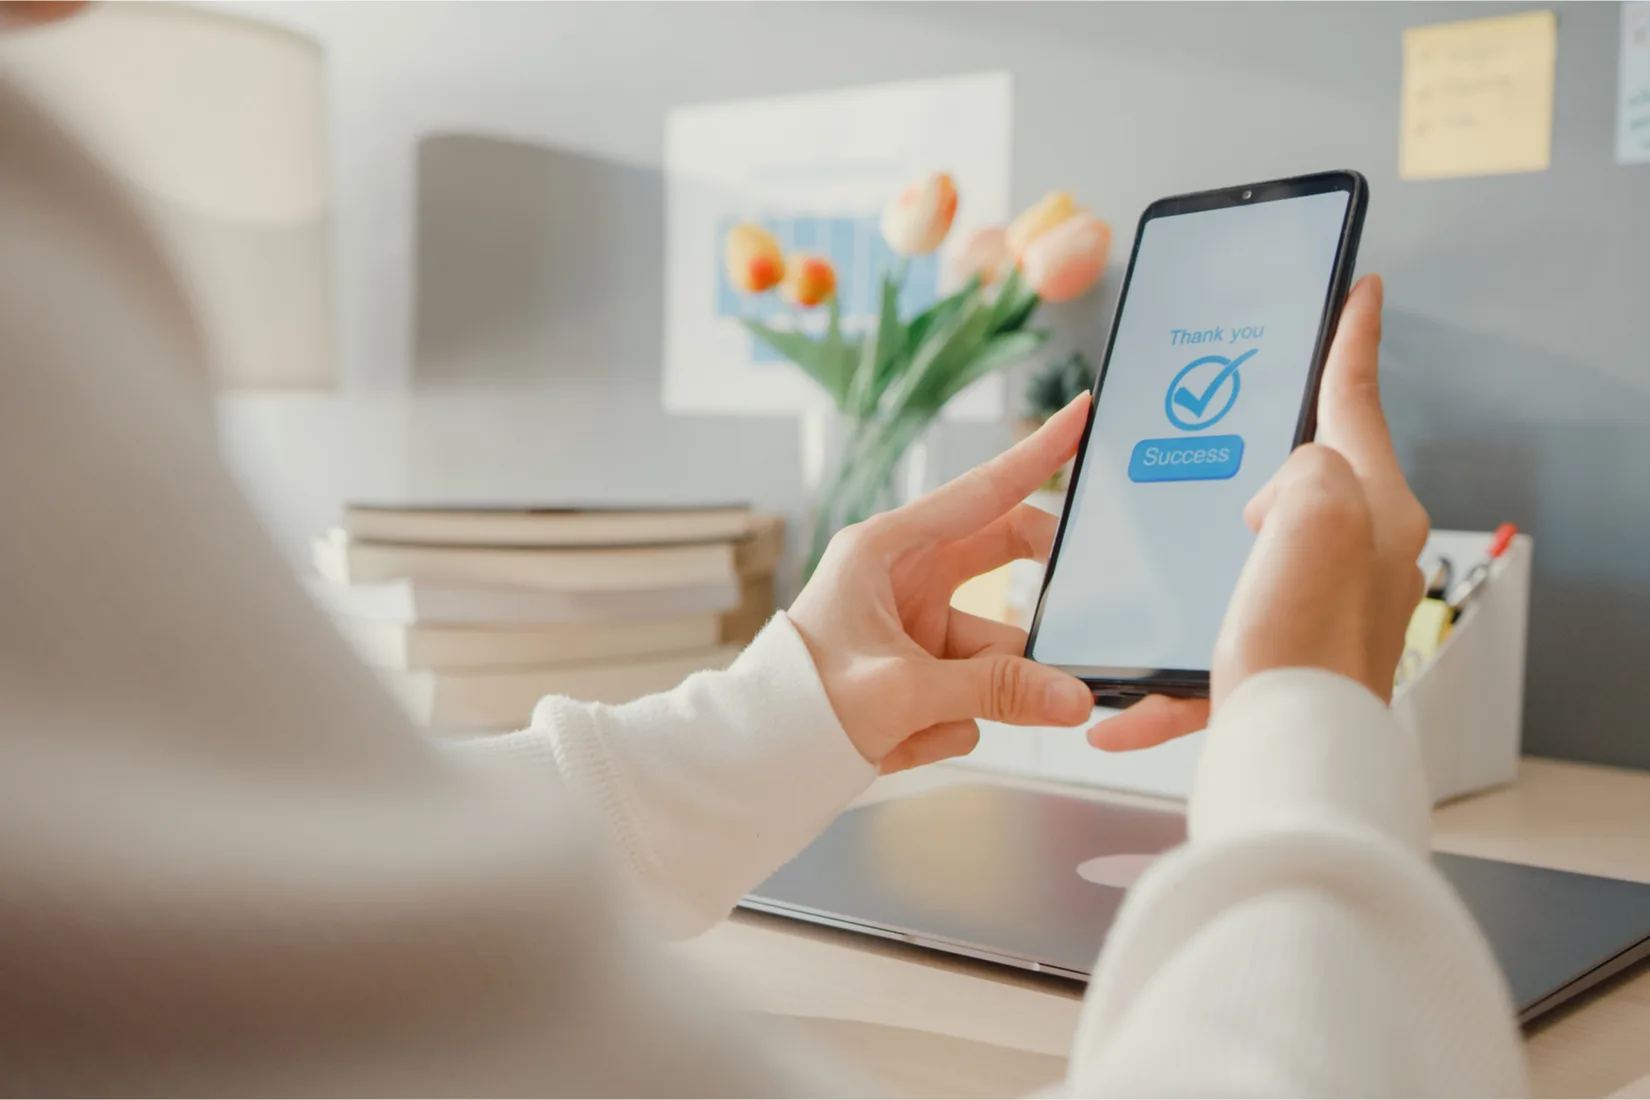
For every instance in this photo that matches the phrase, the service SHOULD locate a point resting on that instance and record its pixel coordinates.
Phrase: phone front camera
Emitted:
(1248, 194)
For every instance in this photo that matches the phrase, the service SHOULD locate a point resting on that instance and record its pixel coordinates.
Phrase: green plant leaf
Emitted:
(1008, 294)
(950, 345)
(837, 357)
(827, 363)
(1021, 316)
(1016, 302)
(931, 319)
(898, 356)
(876, 353)
(798, 347)
(995, 354)
(924, 323)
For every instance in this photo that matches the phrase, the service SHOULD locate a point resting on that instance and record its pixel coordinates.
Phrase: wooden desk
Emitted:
(940, 1025)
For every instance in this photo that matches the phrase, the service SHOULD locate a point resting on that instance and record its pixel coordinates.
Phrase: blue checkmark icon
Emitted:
(1195, 390)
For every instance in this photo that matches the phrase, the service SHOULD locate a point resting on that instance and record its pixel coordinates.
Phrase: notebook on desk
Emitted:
(1033, 880)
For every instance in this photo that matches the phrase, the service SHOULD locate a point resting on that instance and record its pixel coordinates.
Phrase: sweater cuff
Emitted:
(711, 787)
(778, 686)
(1300, 747)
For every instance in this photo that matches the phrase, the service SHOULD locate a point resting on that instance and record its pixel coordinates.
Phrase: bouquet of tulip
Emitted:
(892, 380)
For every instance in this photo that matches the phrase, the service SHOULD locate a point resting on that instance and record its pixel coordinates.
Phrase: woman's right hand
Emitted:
(1332, 579)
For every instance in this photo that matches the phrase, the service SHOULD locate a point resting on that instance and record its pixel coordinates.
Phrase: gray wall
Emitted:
(1518, 376)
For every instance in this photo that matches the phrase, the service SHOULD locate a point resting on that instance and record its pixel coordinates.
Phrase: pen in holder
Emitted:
(1460, 686)
(1443, 602)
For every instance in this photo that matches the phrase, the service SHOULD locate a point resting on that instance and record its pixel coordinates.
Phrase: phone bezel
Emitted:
(1118, 685)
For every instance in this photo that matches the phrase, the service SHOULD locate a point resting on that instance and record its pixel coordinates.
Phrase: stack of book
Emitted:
(473, 614)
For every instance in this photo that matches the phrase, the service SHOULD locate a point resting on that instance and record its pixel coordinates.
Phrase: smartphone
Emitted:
(1209, 380)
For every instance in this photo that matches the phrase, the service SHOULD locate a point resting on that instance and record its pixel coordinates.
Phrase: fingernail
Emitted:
(1068, 701)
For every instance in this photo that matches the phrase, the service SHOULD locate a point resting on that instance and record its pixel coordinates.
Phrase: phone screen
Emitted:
(1200, 402)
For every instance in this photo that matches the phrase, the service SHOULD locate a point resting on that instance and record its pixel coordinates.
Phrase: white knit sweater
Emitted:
(228, 865)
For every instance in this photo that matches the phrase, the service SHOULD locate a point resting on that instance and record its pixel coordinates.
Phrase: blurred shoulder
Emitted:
(81, 276)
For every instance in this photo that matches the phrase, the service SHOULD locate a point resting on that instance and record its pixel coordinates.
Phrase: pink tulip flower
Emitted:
(982, 253)
(1062, 263)
(915, 223)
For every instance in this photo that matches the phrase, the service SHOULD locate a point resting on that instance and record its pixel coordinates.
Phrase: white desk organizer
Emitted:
(1466, 706)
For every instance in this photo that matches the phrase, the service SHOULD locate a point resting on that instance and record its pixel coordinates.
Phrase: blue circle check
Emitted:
(1196, 396)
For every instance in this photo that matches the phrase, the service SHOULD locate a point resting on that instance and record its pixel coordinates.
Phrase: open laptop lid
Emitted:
(1034, 880)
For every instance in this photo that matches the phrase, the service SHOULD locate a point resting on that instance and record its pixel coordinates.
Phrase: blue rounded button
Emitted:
(1195, 458)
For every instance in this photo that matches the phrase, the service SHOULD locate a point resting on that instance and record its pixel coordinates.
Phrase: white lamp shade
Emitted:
(216, 126)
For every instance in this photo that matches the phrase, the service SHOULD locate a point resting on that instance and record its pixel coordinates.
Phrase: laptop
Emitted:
(1033, 880)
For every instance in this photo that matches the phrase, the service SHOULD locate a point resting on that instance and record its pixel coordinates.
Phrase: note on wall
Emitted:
(1478, 97)
(1633, 103)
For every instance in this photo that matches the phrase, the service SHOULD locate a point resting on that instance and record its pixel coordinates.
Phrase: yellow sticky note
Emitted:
(1478, 97)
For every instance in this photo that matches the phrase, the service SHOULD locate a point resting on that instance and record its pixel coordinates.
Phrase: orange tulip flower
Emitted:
(809, 280)
(753, 259)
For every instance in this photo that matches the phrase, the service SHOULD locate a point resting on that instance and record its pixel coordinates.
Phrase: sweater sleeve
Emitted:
(705, 790)
(1300, 943)
(228, 865)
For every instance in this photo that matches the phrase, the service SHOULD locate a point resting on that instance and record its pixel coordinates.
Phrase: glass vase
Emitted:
(855, 463)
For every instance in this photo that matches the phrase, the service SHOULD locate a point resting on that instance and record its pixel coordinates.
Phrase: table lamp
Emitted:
(216, 126)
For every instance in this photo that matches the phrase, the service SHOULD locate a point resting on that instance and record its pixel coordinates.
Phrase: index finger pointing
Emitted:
(965, 504)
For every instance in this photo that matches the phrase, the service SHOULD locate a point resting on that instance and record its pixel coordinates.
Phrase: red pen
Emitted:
(1480, 573)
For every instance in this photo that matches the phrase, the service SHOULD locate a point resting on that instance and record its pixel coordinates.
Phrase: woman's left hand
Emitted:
(907, 674)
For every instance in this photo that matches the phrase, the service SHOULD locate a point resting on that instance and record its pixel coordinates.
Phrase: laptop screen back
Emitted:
(1035, 879)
